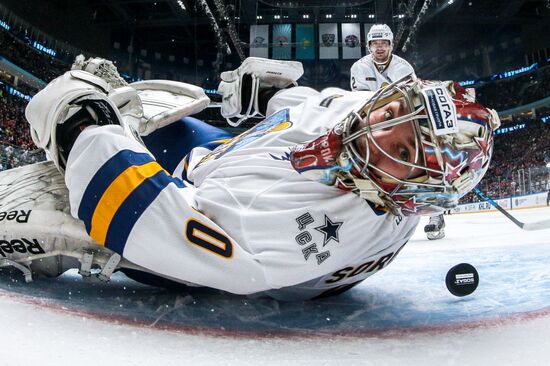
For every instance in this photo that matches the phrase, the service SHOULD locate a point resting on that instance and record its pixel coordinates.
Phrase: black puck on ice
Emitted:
(462, 279)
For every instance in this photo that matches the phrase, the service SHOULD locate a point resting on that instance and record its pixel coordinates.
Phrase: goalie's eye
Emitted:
(388, 115)
(404, 154)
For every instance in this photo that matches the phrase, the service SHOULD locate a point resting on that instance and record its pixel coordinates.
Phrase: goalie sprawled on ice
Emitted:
(318, 196)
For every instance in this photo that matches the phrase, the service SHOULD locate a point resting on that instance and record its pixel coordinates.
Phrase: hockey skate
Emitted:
(435, 228)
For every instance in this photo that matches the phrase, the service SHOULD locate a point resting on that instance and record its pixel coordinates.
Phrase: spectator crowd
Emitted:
(519, 163)
(16, 146)
(516, 91)
(28, 58)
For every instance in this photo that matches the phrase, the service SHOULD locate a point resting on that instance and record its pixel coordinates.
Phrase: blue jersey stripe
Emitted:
(103, 179)
(133, 207)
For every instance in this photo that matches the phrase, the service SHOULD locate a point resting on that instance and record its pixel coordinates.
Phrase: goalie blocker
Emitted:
(242, 89)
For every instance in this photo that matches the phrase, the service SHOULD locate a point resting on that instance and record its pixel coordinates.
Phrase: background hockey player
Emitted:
(316, 198)
(379, 68)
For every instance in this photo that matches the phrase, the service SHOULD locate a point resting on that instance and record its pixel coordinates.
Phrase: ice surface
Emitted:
(402, 315)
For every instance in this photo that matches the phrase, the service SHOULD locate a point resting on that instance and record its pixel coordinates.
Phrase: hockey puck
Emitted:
(462, 279)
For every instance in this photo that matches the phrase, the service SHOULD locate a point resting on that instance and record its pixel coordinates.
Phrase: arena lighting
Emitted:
(450, 2)
(509, 129)
(18, 94)
(44, 49)
(182, 5)
(466, 82)
(4, 25)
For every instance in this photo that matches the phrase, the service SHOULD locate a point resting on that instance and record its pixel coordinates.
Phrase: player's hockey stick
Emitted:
(540, 225)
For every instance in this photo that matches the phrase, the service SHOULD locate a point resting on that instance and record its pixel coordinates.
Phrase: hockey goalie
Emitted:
(320, 195)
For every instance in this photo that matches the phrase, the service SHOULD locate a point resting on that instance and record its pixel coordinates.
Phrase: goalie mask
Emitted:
(414, 147)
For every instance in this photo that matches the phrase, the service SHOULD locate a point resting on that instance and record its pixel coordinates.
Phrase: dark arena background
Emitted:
(501, 49)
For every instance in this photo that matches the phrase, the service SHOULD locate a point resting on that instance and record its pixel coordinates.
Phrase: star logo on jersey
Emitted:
(329, 230)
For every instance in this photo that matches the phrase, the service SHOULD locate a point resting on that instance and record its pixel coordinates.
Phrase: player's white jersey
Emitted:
(250, 223)
(364, 74)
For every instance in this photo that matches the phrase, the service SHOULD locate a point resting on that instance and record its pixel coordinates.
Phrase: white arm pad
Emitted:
(265, 73)
(165, 102)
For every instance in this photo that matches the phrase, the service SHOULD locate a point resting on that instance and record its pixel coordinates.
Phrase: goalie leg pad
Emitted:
(38, 236)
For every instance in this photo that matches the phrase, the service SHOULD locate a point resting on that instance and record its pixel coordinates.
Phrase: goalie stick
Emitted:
(539, 225)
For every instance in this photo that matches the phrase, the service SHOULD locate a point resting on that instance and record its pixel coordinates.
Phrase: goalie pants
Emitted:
(169, 145)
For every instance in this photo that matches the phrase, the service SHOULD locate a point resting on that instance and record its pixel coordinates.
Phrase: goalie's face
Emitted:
(389, 147)
(418, 146)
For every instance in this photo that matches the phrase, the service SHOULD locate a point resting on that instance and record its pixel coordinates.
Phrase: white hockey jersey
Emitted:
(249, 223)
(364, 75)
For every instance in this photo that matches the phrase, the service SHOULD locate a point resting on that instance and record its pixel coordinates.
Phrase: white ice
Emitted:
(505, 322)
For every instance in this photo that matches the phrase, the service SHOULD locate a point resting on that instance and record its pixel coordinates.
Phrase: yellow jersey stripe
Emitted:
(116, 194)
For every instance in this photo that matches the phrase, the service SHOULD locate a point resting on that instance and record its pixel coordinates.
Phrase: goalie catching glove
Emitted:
(240, 88)
(93, 93)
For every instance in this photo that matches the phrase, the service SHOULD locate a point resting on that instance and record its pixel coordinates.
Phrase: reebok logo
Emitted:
(22, 245)
(273, 72)
(19, 216)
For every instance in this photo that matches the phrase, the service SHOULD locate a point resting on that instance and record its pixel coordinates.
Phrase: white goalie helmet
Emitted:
(380, 32)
